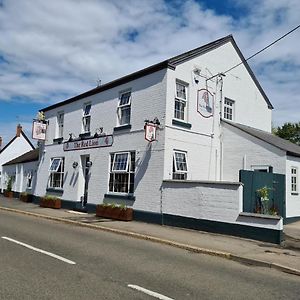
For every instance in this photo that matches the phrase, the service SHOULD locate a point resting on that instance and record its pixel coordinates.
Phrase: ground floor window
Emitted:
(29, 179)
(122, 170)
(179, 165)
(294, 180)
(56, 177)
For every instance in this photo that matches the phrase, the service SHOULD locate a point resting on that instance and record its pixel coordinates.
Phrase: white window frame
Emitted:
(294, 183)
(116, 175)
(53, 171)
(176, 172)
(181, 100)
(86, 118)
(229, 109)
(60, 124)
(123, 107)
(127, 162)
(29, 180)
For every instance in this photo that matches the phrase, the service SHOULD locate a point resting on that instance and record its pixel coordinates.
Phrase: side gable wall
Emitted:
(201, 141)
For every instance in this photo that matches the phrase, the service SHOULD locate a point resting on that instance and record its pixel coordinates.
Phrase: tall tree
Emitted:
(289, 131)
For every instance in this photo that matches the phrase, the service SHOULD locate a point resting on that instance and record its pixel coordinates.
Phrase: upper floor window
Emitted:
(60, 124)
(122, 169)
(228, 109)
(124, 108)
(180, 106)
(179, 165)
(86, 119)
(56, 177)
(294, 180)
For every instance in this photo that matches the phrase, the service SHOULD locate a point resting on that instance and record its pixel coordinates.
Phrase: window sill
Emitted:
(181, 124)
(119, 196)
(58, 140)
(55, 190)
(122, 127)
(85, 135)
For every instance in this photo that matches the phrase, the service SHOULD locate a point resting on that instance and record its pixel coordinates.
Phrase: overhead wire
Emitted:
(263, 49)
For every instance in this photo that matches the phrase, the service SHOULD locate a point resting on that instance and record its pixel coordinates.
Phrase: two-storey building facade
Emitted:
(95, 149)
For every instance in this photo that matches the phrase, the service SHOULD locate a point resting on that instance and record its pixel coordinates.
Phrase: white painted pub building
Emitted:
(95, 149)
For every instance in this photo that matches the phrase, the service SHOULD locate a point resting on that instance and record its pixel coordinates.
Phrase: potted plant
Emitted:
(50, 201)
(8, 192)
(112, 211)
(25, 197)
(263, 193)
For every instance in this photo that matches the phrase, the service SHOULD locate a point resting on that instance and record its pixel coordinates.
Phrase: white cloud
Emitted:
(61, 48)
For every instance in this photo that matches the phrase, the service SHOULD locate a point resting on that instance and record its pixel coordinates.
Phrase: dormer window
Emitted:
(86, 119)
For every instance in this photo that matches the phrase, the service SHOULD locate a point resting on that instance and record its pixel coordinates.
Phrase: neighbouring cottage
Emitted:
(17, 146)
(23, 169)
(160, 140)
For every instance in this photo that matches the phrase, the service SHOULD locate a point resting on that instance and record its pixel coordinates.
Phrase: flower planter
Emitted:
(26, 198)
(8, 194)
(50, 202)
(116, 213)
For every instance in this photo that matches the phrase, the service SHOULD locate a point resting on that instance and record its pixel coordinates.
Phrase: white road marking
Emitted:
(148, 292)
(76, 212)
(40, 250)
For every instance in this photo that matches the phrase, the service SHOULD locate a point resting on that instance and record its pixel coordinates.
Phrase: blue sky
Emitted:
(52, 50)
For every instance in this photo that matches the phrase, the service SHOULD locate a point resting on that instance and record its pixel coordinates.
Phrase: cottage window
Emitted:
(122, 169)
(179, 165)
(29, 180)
(180, 108)
(56, 170)
(124, 108)
(228, 109)
(60, 124)
(86, 119)
(294, 180)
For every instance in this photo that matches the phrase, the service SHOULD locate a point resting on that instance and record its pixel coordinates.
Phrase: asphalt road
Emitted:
(106, 264)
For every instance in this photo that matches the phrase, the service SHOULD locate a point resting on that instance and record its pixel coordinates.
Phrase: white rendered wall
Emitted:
(202, 140)
(292, 201)
(214, 201)
(148, 94)
(241, 151)
(18, 147)
(20, 172)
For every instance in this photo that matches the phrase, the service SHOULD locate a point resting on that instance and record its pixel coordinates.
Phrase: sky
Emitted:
(53, 50)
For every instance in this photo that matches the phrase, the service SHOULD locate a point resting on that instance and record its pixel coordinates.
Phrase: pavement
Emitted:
(285, 258)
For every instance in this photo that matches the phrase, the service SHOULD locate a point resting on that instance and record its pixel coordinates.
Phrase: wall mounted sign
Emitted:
(150, 132)
(101, 141)
(39, 130)
(205, 102)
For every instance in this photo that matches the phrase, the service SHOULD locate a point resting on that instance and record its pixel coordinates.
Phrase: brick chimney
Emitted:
(19, 130)
(0, 142)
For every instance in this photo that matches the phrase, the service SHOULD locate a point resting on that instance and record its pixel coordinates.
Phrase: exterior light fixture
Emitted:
(75, 164)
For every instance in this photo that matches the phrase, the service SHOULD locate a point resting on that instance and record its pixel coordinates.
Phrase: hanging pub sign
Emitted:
(96, 142)
(205, 101)
(150, 132)
(39, 130)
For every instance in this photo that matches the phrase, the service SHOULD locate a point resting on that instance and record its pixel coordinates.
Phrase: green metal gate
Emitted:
(254, 180)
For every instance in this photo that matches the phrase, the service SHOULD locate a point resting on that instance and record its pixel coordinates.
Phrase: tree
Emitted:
(289, 131)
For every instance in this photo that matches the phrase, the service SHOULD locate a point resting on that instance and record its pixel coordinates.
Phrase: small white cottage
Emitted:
(23, 169)
(17, 146)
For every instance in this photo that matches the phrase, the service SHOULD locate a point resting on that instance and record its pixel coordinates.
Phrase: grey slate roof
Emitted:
(290, 148)
(32, 155)
(170, 63)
